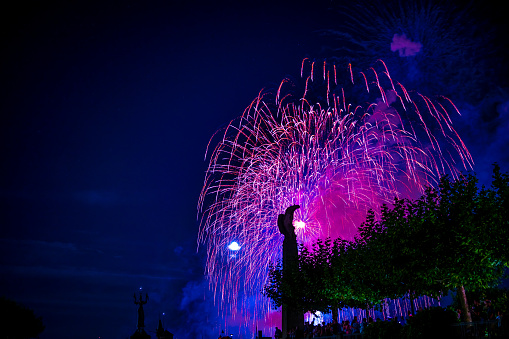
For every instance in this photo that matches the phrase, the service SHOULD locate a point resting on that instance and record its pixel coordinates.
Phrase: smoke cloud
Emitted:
(405, 46)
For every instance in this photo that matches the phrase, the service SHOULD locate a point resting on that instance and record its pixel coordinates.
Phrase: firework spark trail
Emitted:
(335, 162)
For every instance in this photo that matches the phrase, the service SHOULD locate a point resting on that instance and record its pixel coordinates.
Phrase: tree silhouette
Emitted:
(17, 321)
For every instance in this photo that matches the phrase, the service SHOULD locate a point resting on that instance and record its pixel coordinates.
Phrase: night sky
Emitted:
(106, 114)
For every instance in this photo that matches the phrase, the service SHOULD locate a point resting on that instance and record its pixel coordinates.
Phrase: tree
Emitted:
(467, 219)
(324, 278)
(494, 221)
(309, 283)
(397, 250)
(452, 237)
(374, 262)
(445, 239)
(17, 321)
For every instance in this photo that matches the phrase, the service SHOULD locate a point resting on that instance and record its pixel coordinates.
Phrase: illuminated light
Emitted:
(233, 246)
(299, 224)
(314, 317)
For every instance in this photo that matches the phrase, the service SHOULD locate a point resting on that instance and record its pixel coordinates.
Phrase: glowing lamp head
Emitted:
(233, 246)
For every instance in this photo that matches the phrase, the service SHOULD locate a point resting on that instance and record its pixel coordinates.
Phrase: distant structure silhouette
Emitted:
(140, 331)
(161, 333)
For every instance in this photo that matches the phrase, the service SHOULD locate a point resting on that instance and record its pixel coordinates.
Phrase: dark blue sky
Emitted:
(106, 113)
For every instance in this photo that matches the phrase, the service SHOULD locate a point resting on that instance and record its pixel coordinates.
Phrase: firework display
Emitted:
(337, 142)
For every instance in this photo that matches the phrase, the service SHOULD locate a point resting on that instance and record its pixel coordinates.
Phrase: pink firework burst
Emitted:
(334, 157)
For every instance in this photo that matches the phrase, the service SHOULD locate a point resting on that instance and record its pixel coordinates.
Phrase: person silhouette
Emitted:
(278, 334)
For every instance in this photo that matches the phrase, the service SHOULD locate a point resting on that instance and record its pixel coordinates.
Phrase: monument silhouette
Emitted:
(140, 331)
(291, 318)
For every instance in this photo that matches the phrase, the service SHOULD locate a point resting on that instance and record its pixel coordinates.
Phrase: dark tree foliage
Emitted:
(452, 237)
(17, 321)
(383, 330)
(499, 298)
(494, 216)
(397, 249)
(318, 281)
(434, 322)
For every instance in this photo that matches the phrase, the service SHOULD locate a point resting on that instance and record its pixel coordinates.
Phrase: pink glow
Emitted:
(405, 46)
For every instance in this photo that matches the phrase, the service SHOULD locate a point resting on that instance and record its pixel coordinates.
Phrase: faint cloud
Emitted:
(405, 46)
(193, 292)
(97, 197)
(55, 245)
(196, 305)
(485, 129)
(38, 271)
(178, 250)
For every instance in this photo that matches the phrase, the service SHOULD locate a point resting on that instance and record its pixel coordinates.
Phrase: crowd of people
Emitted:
(483, 312)
(334, 328)
(479, 312)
